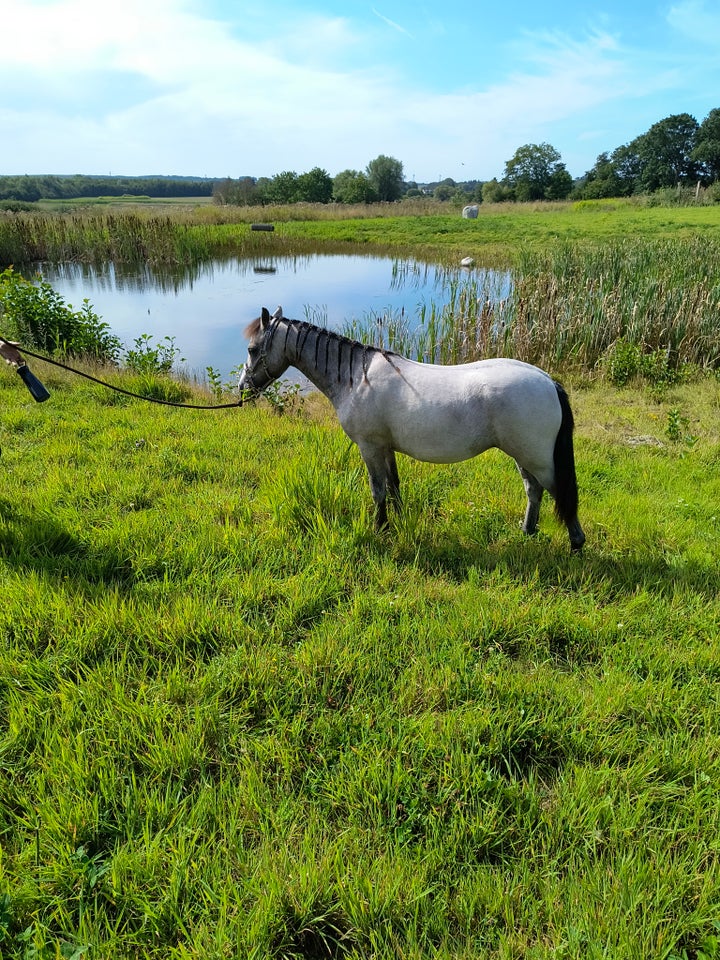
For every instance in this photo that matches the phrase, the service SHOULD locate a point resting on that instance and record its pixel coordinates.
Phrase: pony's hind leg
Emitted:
(534, 491)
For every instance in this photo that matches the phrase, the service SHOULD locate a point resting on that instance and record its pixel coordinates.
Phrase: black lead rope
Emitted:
(129, 393)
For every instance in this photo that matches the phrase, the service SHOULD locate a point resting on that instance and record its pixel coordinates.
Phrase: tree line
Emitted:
(382, 180)
(29, 188)
(676, 152)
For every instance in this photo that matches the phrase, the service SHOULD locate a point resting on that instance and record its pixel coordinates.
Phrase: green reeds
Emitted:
(127, 238)
(569, 306)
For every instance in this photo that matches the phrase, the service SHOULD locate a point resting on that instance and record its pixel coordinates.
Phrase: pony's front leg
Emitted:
(377, 461)
(534, 491)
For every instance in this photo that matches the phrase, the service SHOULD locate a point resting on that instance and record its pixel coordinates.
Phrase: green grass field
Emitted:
(238, 723)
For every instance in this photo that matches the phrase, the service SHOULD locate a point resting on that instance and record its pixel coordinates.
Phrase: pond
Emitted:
(206, 308)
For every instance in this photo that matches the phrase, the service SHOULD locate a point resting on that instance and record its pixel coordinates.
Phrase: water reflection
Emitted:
(205, 307)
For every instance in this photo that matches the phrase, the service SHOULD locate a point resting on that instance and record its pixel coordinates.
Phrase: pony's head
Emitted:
(266, 360)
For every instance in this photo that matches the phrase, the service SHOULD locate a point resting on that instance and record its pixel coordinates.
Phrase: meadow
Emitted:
(237, 722)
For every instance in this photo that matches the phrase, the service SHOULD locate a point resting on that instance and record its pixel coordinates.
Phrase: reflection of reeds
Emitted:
(570, 305)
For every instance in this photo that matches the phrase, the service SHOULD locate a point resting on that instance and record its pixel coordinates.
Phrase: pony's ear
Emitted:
(264, 318)
(278, 314)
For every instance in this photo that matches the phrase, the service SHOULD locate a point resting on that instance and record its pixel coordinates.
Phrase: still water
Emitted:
(206, 307)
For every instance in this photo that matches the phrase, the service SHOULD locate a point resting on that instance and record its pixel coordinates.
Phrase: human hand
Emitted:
(10, 353)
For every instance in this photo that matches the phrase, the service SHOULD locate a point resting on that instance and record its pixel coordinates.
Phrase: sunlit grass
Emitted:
(237, 722)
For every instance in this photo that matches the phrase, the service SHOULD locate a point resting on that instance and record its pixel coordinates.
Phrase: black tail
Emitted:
(566, 491)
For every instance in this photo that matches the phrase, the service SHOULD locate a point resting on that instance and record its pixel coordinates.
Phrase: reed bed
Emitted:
(129, 238)
(571, 306)
(182, 235)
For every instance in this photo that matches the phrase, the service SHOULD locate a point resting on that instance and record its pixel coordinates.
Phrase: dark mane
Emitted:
(253, 328)
(308, 327)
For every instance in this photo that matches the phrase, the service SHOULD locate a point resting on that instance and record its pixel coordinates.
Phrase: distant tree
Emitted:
(601, 181)
(242, 192)
(665, 153)
(495, 192)
(353, 186)
(316, 186)
(263, 188)
(536, 172)
(386, 176)
(246, 191)
(627, 166)
(222, 191)
(445, 190)
(283, 188)
(560, 184)
(707, 146)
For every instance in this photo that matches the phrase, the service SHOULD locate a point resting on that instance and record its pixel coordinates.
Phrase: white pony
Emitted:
(387, 403)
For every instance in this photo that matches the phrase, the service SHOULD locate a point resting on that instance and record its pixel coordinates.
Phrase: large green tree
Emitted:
(536, 172)
(665, 153)
(386, 176)
(613, 175)
(283, 188)
(315, 186)
(707, 146)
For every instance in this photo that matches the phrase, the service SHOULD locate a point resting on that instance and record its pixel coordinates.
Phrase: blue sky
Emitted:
(218, 88)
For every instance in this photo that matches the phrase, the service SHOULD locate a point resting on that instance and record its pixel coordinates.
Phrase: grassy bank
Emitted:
(236, 722)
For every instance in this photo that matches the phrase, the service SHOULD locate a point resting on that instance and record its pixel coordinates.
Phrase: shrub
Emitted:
(147, 358)
(628, 361)
(38, 318)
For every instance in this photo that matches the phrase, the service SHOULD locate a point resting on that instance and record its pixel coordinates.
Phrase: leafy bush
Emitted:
(38, 318)
(628, 361)
(152, 365)
(148, 358)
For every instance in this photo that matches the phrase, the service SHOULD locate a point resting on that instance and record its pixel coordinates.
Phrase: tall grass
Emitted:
(123, 238)
(570, 306)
